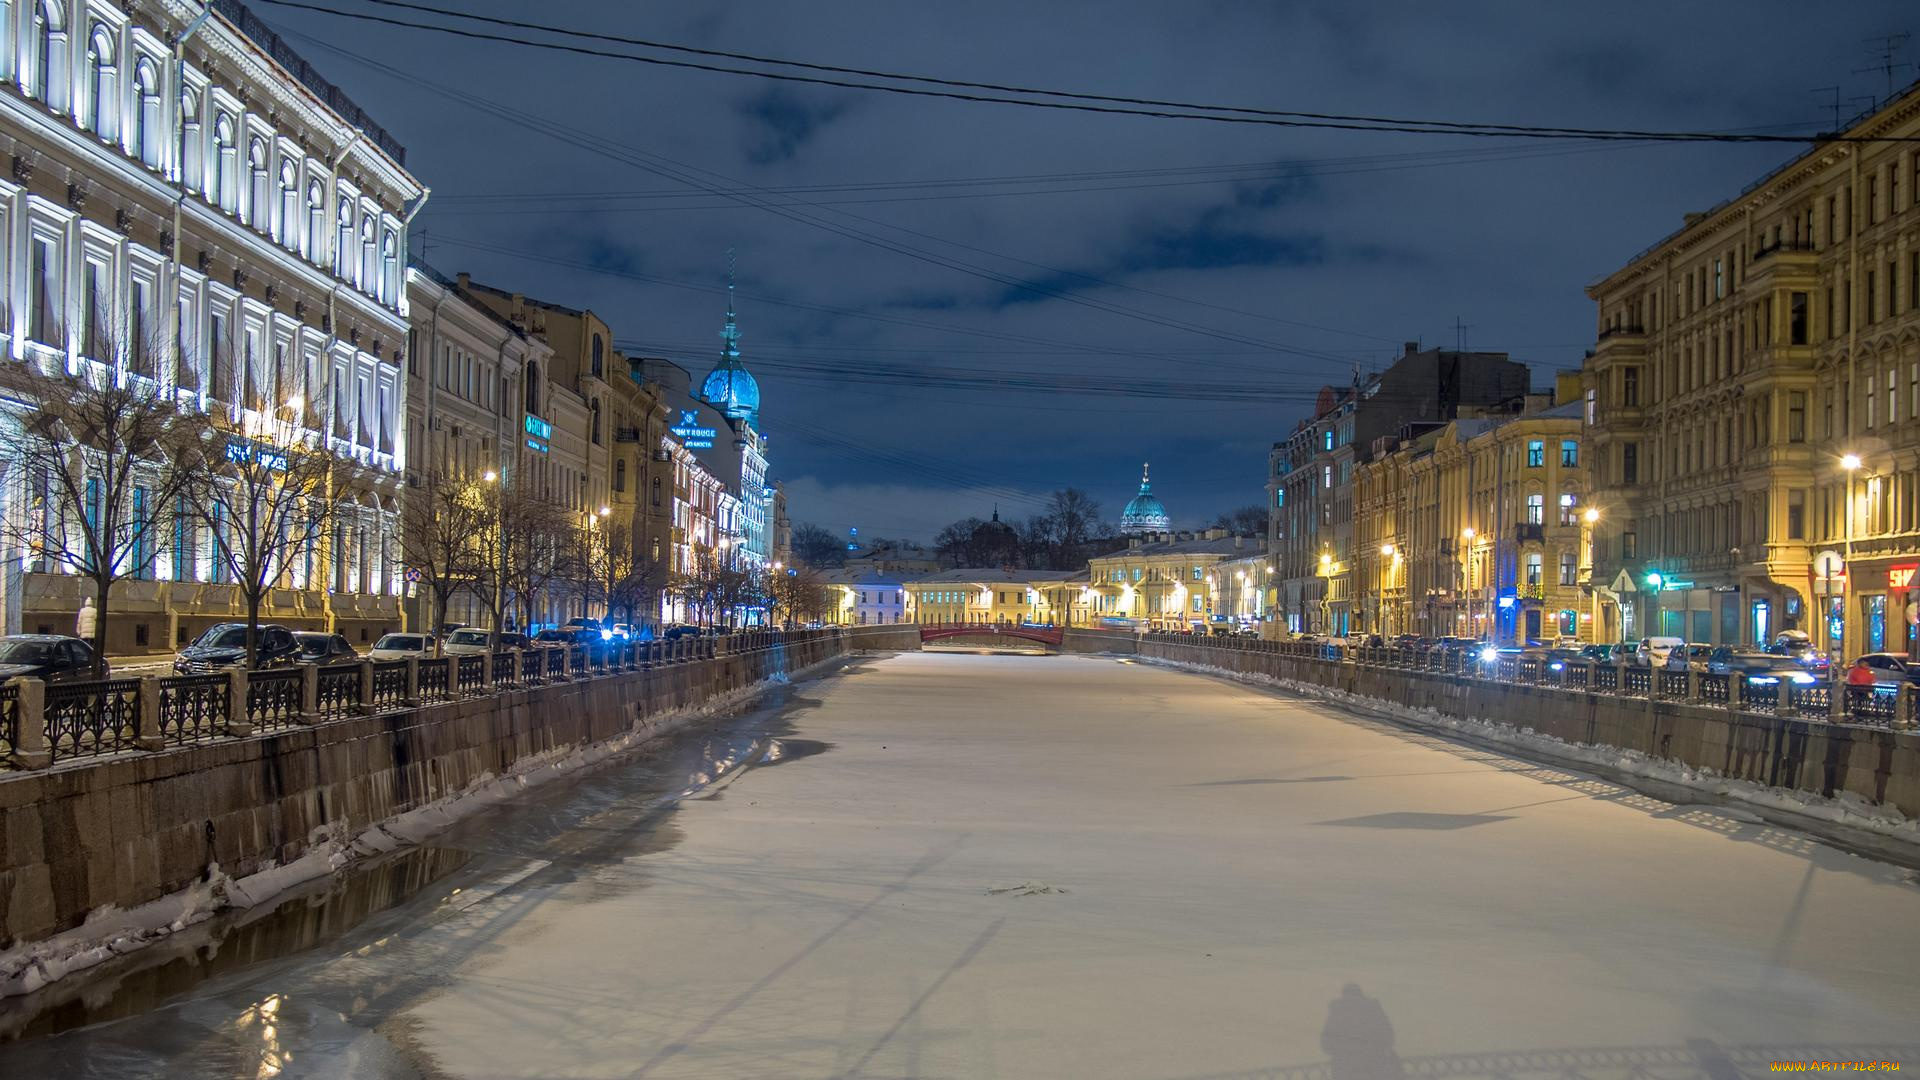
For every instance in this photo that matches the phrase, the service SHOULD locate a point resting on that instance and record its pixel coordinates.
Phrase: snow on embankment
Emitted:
(1846, 819)
(110, 931)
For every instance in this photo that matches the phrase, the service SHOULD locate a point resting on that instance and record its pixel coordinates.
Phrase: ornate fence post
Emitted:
(309, 693)
(239, 720)
(486, 671)
(1837, 700)
(146, 715)
(30, 749)
(366, 688)
(413, 682)
(1736, 689)
(1693, 684)
(1902, 704)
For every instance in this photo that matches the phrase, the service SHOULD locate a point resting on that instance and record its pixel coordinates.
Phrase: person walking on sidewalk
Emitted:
(87, 621)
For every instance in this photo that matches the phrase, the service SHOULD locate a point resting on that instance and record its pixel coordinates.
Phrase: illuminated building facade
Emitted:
(1754, 404)
(1163, 579)
(226, 183)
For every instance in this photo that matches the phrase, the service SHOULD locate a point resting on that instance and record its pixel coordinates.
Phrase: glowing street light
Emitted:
(1386, 550)
(1592, 515)
(1850, 462)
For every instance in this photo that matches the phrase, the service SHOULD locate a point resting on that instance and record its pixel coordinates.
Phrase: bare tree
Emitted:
(794, 595)
(444, 531)
(1250, 520)
(535, 542)
(266, 497)
(816, 547)
(102, 458)
(714, 590)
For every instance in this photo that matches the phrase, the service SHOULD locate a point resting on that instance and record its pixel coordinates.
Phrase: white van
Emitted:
(1653, 651)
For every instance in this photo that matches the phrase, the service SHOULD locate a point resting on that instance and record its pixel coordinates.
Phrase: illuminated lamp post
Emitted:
(1851, 464)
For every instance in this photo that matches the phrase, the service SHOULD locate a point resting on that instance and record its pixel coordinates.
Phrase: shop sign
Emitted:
(691, 434)
(1901, 577)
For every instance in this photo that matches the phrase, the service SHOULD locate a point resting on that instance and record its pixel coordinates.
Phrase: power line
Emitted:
(1074, 102)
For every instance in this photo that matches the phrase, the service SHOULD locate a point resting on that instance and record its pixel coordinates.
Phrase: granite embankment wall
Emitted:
(1879, 765)
(131, 827)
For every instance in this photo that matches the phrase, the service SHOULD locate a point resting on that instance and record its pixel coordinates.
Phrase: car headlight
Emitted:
(1803, 678)
(1762, 680)
(1489, 655)
(1557, 666)
(606, 635)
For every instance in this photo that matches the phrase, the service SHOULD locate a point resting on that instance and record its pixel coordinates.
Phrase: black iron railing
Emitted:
(9, 720)
(470, 671)
(389, 685)
(436, 678)
(92, 717)
(339, 690)
(273, 698)
(506, 669)
(194, 707)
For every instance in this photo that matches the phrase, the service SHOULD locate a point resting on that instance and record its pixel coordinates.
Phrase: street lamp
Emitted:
(1466, 573)
(1590, 516)
(1386, 571)
(1850, 463)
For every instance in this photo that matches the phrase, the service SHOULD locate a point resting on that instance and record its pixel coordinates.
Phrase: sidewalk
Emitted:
(137, 664)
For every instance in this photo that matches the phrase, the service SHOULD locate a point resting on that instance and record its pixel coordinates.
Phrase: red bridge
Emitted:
(979, 633)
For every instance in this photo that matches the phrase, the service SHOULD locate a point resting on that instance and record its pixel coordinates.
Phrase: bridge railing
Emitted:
(42, 723)
(1809, 699)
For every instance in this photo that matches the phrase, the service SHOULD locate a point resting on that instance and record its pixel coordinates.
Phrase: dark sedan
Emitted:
(50, 657)
(225, 646)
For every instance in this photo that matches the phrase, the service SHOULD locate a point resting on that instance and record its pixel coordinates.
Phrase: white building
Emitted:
(242, 192)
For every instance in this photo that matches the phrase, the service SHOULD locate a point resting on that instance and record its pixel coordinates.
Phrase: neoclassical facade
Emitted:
(1754, 404)
(208, 213)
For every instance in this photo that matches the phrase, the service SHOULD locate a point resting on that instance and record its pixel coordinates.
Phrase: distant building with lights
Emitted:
(1166, 579)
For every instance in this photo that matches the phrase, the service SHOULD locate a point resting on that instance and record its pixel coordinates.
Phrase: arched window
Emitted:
(224, 192)
(620, 475)
(533, 390)
(259, 186)
(656, 491)
(103, 113)
(316, 240)
(289, 225)
(343, 237)
(48, 79)
(146, 113)
(390, 266)
(369, 256)
(596, 421)
(599, 349)
(195, 161)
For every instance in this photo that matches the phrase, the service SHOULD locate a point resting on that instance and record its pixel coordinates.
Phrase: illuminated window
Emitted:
(1536, 453)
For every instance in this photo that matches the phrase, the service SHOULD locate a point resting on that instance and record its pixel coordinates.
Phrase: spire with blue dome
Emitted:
(1144, 513)
(729, 387)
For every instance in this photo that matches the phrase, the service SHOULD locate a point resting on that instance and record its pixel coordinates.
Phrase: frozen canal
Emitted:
(1015, 866)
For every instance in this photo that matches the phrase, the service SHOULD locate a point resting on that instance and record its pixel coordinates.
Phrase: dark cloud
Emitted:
(1356, 243)
(780, 122)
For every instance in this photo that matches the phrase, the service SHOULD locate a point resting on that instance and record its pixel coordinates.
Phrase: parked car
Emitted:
(469, 641)
(508, 640)
(674, 633)
(1601, 653)
(1691, 656)
(225, 645)
(401, 647)
(583, 624)
(52, 657)
(1796, 645)
(320, 647)
(1757, 666)
(1558, 657)
(1891, 669)
(1652, 651)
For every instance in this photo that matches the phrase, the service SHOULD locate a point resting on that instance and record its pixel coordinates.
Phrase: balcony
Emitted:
(1529, 533)
(626, 434)
(1622, 331)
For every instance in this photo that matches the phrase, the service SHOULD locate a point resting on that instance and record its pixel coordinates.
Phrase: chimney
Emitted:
(1216, 534)
(465, 279)
(1133, 541)
(1238, 542)
(1412, 347)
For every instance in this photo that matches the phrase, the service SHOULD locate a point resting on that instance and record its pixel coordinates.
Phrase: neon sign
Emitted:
(691, 434)
(538, 432)
(240, 453)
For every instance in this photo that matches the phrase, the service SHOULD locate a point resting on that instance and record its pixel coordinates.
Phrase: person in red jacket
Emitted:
(1860, 682)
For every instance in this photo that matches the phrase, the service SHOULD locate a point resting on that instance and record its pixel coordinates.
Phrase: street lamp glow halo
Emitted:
(1850, 462)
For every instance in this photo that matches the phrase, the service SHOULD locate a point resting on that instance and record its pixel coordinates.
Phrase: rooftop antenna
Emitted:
(1460, 334)
(1834, 104)
(1884, 48)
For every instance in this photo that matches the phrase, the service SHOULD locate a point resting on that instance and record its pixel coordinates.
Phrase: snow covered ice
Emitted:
(949, 865)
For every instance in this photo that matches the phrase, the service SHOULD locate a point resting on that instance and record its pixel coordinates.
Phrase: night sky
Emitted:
(944, 241)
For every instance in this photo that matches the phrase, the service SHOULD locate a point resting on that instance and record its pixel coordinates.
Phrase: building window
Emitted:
(1569, 568)
(1797, 416)
(1630, 387)
(1534, 563)
(1796, 514)
(224, 191)
(96, 323)
(1629, 545)
(1569, 454)
(1797, 319)
(1569, 510)
(102, 112)
(48, 80)
(1629, 463)
(1326, 476)
(599, 362)
(1536, 509)
(139, 346)
(44, 298)
(259, 187)
(1536, 453)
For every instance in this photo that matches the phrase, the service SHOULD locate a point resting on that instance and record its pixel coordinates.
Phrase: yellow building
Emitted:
(1163, 578)
(982, 596)
(1754, 401)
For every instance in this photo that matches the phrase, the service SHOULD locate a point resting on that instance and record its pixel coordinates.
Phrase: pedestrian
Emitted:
(85, 623)
(1860, 683)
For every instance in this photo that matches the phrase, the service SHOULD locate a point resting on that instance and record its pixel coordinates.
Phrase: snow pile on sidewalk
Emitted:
(1802, 809)
(110, 931)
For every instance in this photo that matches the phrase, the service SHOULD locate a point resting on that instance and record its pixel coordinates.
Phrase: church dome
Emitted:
(729, 387)
(1144, 513)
